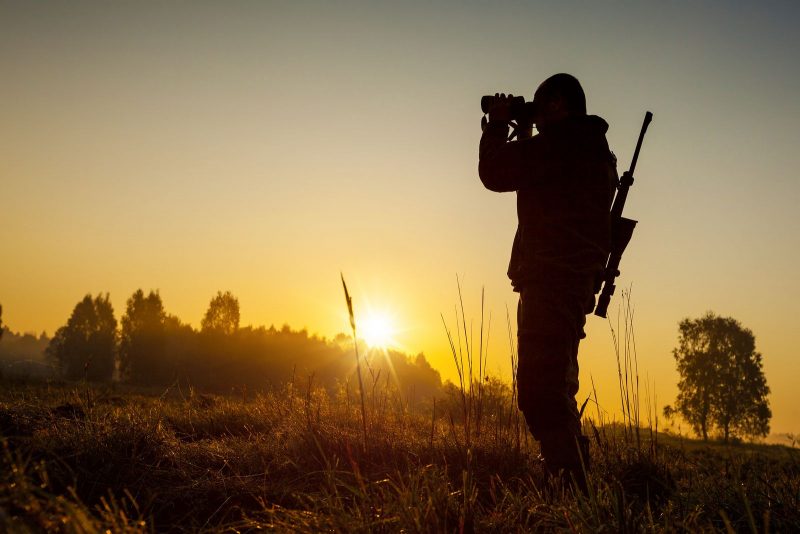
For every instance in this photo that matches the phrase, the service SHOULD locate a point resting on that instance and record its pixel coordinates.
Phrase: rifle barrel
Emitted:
(647, 118)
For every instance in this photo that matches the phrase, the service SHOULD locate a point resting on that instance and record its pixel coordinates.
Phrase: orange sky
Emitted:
(262, 147)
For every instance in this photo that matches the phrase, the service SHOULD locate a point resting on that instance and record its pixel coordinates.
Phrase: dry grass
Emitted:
(82, 460)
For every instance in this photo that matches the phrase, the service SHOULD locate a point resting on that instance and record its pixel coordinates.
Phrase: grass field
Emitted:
(88, 459)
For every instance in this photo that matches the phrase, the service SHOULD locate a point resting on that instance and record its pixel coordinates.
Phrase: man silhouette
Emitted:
(565, 178)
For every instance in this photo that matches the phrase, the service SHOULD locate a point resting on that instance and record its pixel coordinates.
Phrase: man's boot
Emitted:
(566, 456)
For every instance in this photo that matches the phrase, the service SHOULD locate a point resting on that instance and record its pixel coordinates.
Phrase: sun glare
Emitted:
(377, 330)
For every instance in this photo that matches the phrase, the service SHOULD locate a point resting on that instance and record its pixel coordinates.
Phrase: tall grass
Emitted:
(627, 367)
(513, 422)
(471, 364)
(628, 379)
(294, 461)
(358, 360)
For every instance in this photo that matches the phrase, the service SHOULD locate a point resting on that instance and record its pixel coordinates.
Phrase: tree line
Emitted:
(722, 388)
(22, 354)
(149, 346)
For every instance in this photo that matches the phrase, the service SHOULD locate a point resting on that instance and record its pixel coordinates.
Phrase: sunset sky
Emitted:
(263, 147)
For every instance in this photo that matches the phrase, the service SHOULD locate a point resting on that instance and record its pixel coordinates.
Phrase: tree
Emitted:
(181, 346)
(143, 339)
(222, 315)
(722, 383)
(87, 345)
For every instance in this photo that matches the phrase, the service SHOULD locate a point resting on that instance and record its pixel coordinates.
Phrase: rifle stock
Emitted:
(621, 229)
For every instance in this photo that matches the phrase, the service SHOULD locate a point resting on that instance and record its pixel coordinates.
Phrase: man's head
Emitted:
(558, 97)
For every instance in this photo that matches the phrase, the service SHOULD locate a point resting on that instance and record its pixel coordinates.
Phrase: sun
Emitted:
(377, 330)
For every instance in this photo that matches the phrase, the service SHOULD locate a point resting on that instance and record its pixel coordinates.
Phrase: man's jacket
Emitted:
(565, 178)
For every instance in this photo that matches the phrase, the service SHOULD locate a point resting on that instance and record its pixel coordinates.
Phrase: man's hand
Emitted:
(501, 108)
(500, 111)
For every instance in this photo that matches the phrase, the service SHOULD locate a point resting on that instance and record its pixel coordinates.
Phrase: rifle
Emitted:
(621, 229)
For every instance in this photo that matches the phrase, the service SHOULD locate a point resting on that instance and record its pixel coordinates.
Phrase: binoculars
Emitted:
(521, 111)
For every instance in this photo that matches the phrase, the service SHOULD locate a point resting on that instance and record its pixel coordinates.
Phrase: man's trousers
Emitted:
(550, 320)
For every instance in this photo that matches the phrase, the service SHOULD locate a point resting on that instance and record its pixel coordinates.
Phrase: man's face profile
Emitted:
(549, 110)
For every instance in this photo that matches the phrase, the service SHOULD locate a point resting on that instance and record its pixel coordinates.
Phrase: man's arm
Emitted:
(501, 164)
(510, 166)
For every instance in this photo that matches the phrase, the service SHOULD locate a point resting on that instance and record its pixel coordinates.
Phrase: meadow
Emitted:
(84, 458)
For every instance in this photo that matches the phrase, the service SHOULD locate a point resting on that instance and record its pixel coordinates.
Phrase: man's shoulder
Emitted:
(573, 128)
(597, 123)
